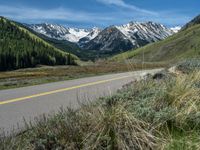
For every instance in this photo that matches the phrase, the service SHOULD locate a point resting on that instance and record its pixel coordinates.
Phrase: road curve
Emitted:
(34, 101)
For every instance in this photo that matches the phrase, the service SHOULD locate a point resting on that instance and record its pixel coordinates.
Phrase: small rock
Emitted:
(158, 76)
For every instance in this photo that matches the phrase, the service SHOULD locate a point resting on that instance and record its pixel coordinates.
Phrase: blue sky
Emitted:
(101, 13)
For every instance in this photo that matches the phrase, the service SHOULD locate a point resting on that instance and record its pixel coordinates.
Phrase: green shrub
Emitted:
(189, 66)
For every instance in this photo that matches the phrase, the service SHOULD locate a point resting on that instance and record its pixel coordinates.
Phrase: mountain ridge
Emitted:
(132, 35)
(60, 32)
(193, 22)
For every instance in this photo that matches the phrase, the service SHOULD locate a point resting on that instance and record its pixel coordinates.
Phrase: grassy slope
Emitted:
(26, 43)
(33, 35)
(185, 44)
(70, 47)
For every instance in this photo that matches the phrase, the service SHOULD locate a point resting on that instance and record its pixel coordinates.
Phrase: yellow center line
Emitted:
(3, 102)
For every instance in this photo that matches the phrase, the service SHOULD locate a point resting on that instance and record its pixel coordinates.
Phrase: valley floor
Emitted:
(46, 74)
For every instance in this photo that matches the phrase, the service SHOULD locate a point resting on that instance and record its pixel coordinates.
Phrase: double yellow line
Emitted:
(3, 102)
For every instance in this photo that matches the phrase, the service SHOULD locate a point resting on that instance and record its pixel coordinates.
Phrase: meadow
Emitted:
(47, 74)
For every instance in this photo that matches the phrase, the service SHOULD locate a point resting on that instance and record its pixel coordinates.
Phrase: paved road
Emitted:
(30, 102)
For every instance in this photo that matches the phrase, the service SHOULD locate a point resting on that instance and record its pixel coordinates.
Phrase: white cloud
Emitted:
(82, 18)
(25, 13)
(115, 2)
(121, 3)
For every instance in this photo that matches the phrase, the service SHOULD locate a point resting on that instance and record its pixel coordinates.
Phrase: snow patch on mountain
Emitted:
(60, 32)
(149, 31)
(76, 34)
(93, 34)
(176, 29)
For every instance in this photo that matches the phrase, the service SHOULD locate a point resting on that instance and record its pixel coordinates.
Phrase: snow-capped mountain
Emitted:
(176, 29)
(113, 38)
(149, 31)
(131, 35)
(110, 39)
(76, 34)
(62, 33)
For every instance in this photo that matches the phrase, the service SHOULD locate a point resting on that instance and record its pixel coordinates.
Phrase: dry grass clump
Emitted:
(184, 96)
(188, 66)
(114, 127)
(183, 141)
(95, 128)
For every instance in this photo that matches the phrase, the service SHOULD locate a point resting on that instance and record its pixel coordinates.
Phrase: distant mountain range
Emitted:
(60, 32)
(126, 37)
(111, 40)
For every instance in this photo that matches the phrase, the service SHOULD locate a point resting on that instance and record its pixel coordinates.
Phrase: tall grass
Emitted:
(113, 127)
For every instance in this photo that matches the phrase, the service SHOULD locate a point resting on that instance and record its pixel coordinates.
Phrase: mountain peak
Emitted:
(145, 31)
(131, 35)
(113, 38)
(60, 32)
(2, 17)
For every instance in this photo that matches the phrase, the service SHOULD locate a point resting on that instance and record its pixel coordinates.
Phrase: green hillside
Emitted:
(63, 45)
(19, 48)
(185, 44)
(69, 47)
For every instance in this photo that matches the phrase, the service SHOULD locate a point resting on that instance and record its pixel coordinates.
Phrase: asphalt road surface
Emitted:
(27, 103)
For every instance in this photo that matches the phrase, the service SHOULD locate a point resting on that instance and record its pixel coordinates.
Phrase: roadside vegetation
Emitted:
(158, 112)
